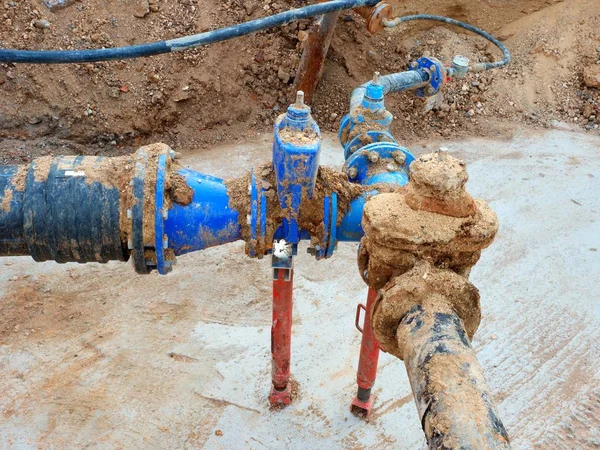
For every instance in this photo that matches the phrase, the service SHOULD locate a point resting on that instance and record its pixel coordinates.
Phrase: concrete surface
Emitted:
(98, 357)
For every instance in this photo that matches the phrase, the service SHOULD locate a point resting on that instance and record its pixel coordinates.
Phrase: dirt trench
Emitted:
(230, 91)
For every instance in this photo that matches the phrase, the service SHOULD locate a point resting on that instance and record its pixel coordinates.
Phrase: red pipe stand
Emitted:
(281, 336)
(369, 357)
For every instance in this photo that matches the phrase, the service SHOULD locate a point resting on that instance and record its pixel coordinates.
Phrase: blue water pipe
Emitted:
(65, 213)
(178, 44)
(68, 215)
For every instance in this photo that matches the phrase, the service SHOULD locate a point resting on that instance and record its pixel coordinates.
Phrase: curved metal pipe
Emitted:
(395, 82)
(479, 67)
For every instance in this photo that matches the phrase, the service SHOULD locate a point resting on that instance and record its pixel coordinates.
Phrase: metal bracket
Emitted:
(282, 258)
(357, 321)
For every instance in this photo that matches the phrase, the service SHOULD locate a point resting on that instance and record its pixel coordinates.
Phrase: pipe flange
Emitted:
(148, 211)
(363, 139)
(379, 162)
(381, 12)
(328, 243)
(421, 286)
(437, 75)
(257, 220)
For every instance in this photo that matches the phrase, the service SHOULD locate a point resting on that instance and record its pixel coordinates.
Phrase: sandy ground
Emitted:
(99, 357)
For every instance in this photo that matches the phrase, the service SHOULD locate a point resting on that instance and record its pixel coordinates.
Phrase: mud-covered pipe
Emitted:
(96, 209)
(54, 210)
(12, 239)
(89, 209)
(456, 407)
(394, 82)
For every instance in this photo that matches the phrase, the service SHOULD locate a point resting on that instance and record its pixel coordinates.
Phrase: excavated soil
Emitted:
(233, 90)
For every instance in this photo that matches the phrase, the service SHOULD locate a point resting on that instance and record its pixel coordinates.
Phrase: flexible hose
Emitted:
(479, 67)
(179, 44)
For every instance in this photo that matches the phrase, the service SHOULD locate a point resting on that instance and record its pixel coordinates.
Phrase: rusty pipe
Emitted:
(314, 55)
(316, 45)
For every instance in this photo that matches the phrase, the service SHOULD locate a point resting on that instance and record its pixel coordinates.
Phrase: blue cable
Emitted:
(479, 67)
(179, 44)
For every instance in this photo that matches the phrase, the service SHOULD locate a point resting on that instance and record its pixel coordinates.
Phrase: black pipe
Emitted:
(455, 405)
(55, 210)
(12, 238)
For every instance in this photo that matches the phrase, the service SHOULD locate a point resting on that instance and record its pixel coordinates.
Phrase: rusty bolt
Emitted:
(352, 173)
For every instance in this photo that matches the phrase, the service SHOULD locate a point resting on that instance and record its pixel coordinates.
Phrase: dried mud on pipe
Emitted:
(311, 210)
(6, 199)
(117, 173)
(298, 137)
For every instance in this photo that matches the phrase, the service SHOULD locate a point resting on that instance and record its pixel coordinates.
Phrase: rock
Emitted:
(142, 9)
(41, 24)
(504, 35)
(153, 78)
(250, 6)
(591, 76)
(182, 95)
(34, 120)
(302, 35)
(588, 110)
(431, 42)
(283, 75)
(56, 4)
(470, 113)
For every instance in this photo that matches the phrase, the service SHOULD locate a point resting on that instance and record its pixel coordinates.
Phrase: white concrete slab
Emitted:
(98, 357)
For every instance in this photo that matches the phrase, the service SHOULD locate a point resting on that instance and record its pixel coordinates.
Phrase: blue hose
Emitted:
(179, 44)
(480, 67)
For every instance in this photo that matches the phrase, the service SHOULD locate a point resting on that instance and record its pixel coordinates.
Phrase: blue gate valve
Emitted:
(296, 150)
(367, 123)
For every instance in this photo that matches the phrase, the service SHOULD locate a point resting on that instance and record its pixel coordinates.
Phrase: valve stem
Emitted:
(300, 98)
(376, 80)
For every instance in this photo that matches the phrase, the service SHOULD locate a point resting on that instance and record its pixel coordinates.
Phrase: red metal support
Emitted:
(369, 358)
(281, 336)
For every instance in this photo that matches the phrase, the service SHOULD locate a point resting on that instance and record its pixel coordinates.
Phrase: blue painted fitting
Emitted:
(360, 166)
(367, 122)
(207, 221)
(350, 229)
(437, 75)
(296, 150)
